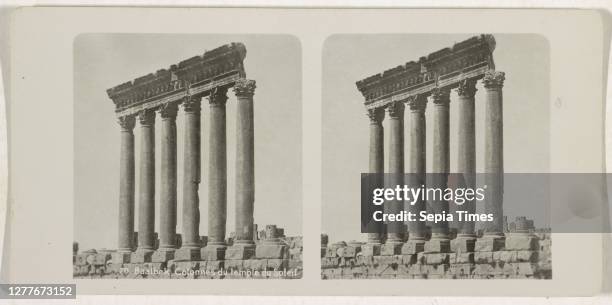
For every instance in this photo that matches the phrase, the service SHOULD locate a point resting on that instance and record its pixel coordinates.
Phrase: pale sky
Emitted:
(349, 58)
(105, 60)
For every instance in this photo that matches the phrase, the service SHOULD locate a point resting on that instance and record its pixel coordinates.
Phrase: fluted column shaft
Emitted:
(494, 151)
(126, 185)
(441, 157)
(417, 170)
(245, 161)
(217, 187)
(191, 174)
(396, 167)
(146, 210)
(377, 159)
(466, 149)
(168, 178)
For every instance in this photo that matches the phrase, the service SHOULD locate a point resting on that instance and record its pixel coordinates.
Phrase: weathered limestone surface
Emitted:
(146, 210)
(126, 188)
(278, 258)
(376, 165)
(346, 261)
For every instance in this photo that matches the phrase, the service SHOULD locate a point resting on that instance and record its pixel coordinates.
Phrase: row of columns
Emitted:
(493, 167)
(217, 186)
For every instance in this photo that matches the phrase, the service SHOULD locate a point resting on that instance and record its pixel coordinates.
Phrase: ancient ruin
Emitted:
(418, 251)
(161, 93)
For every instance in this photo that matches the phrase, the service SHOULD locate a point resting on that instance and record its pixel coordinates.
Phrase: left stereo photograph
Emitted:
(188, 155)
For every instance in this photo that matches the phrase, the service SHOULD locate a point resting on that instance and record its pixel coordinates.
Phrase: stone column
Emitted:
(440, 241)
(395, 235)
(244, 247)
(377, 155)
(126, 190)
(190, 248)
(167, 228)
(376, 166)
(146, 207)
(466, 161)
(217, 187)
(417, 230)
(494, 161)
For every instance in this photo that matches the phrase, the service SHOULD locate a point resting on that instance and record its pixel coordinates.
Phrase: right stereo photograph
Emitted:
(436, 157)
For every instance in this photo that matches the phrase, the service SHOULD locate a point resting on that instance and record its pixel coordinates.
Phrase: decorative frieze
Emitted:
(225, 62)
(466, 58)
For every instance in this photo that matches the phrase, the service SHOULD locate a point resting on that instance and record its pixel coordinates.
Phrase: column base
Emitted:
(162, 255)
(489, 243)
(187, 254)
(413, 246)
(142, 256)
(463, 243)
(121, 257)
(213, 252)
(240, 250)
(437, 245)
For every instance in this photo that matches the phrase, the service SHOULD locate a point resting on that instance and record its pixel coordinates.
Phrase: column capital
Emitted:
(244, 87)
(440, 96)
(395, 110)
(218, 96)
(494, 79)
(146, 117)
(192, 104)
(417, 103)
(168, 111)
(467, 88)
(127, 122)
(376, 115)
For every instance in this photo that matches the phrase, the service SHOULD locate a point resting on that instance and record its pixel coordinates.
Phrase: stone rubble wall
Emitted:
(519, 256)
(284, 262)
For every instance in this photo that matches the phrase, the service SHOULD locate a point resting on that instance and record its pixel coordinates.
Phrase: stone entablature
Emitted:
(220, 67)
(469, 59)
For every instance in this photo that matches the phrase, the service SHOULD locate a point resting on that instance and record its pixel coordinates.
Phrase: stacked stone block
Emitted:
(520, 256)
(274, 257)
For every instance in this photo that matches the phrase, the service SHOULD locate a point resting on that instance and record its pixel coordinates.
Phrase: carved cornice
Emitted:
(244, 88)
(218, 97)
(127, 122)
(396, 110)
(494, 79)
(223, 61)
(147, 117)
(464, 57)
(192, 104)
(440, 96)
(168, 111)
(376, 115)
(467, 88)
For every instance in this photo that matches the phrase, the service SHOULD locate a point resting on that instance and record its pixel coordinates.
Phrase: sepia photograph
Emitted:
(188, 156)
(429, 110)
